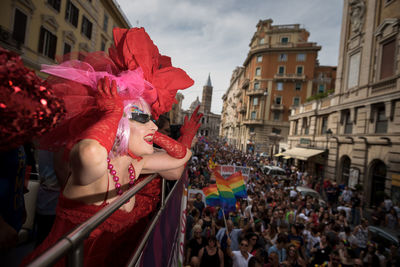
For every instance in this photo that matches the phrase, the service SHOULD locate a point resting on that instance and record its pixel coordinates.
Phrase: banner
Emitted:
(193, 192)
(163, 245)
(228, 170)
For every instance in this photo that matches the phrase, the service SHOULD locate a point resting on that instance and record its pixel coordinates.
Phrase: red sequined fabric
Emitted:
(28, 107)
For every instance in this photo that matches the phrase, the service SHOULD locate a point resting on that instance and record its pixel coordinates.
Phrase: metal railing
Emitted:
(72, 244)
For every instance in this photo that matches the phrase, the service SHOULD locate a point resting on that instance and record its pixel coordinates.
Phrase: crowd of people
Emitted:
(278, 226)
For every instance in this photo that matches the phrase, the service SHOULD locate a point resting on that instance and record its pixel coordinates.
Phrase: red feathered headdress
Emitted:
(133, 49)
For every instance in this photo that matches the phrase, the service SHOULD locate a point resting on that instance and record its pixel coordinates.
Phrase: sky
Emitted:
(212, 36)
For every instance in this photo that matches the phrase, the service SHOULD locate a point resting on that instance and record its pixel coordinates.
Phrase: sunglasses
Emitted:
(141, 117)
(245, 245)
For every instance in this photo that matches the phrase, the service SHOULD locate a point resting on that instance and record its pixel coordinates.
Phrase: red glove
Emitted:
(171, 146)
(190, 128)
(110, 109)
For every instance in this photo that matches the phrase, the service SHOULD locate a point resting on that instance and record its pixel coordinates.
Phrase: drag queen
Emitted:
(107, 140)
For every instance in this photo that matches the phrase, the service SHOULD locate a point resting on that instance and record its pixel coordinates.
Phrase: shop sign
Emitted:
(305, 141)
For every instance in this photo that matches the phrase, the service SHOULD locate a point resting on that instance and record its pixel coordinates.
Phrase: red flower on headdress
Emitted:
(133, 49)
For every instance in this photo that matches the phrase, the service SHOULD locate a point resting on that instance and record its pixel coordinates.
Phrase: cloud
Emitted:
(211, 36)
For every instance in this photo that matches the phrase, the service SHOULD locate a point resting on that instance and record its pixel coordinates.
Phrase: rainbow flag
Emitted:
(236, 183)
(212, 195)
(227, 198)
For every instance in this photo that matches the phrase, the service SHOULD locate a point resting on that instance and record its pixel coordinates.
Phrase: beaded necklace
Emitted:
(132, 176)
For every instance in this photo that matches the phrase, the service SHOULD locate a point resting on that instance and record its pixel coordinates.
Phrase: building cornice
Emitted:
(266, 49)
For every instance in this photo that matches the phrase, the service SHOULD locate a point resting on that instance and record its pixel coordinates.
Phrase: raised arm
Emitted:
(175, 155)
(88, 157)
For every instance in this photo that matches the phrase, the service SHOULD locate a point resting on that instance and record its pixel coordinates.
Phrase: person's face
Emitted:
(292, 251)
(244, 245)
(197, 233)
(253, 240)
(273, 258)
(211, 243)
(141, 135)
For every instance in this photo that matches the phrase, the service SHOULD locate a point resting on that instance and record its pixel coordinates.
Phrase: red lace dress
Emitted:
(115, 240)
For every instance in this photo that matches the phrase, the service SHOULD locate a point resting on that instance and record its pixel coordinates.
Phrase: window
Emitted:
(284, 40)
(54, 4)
(282, 57)
(324, 125)
(305, 126)
(348, 125)
(301, 57)
(19, 26)
(296, 101)
(253, 115)
(105, 23)
(202, 120)
(259, 58)
(381, 121)
(321, 88)
(388, 59)
(206, 132)
(86, 27)
(261, 41)
(47, 43)
(72, 13)
(278, 100)
(276, 130)
(277, 115)
(67, 49)
(354, 70)
(279, 86)
(258, 71)
(256, 85)
(299, 70)
(297, 86)
(255, 101)
(103, 45)
(251, 129)
(281, 69)
(296, 125)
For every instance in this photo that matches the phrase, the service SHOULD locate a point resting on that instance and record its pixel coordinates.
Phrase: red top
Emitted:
(113, 242)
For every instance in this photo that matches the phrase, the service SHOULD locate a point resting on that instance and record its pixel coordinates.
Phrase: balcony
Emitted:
(289, 77)
(278, 107)
(255, 92)
(253, 122)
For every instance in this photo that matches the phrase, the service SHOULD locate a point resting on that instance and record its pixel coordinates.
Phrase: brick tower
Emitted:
(205, 107)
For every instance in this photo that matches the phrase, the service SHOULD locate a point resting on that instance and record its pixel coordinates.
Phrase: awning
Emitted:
(287, 157)
(302, 153)
(279, 155)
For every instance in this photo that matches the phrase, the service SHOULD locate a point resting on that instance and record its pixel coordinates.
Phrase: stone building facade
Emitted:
(277, 75)
(356, 131)
(41, 30)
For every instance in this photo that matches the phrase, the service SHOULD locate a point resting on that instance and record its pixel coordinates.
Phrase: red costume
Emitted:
(137, 68)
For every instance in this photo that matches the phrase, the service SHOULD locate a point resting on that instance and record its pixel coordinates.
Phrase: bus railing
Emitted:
(72, 244)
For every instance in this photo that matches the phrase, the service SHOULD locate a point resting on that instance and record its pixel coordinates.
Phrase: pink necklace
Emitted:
(132, 176)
